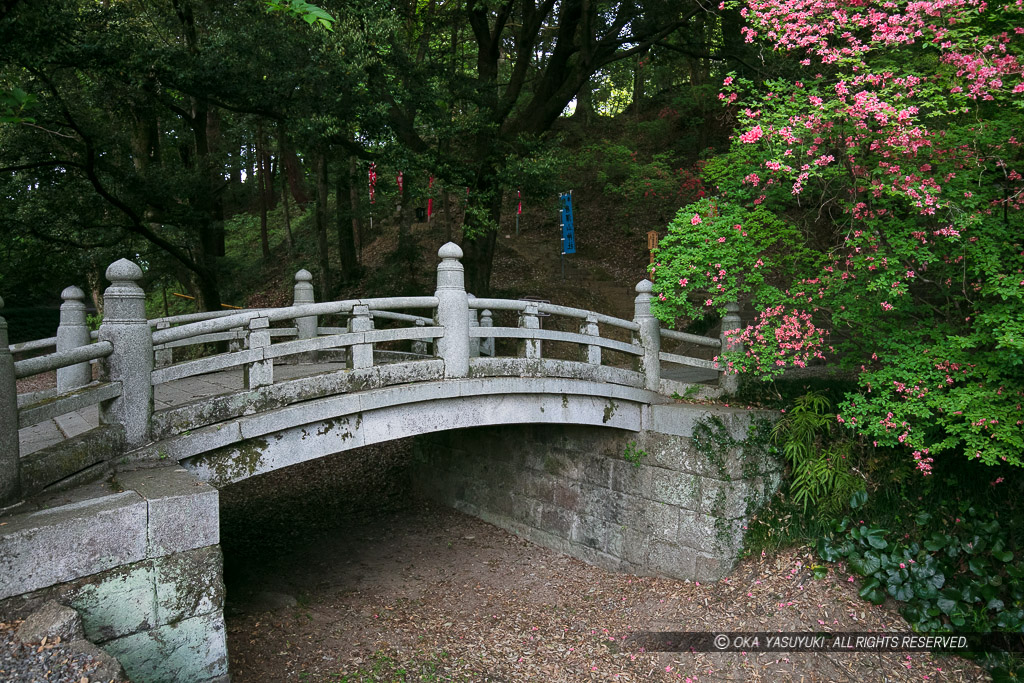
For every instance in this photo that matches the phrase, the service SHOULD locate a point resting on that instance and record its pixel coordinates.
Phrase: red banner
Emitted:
(430, 200)
(519, 210)
(401, 178)
(373, 182)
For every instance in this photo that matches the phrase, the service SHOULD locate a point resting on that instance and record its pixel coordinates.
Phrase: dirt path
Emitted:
(428, 594)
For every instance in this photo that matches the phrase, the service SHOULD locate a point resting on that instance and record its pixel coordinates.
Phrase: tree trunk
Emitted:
(478, 259)
(264, 190)
(293, 172)
(320, 227)
(478, 250)
(584, 105)
(282, 146)
(208, 207)
(287, 219)
(356, 209)
(343, 223)
(638, 82)
(251, 165)
(446, 205)
(215, 183)
(407, 250)
(207, 290)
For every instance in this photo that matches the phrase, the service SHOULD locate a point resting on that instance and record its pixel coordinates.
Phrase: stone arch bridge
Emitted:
(582, 449)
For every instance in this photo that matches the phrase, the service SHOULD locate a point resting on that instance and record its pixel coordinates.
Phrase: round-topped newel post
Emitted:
(473, 321)
(10, 459)
(452, 312)
(72, 333)
(486, 343)
(131, 363)
(307, 324)
(648, 336)
(730, 381)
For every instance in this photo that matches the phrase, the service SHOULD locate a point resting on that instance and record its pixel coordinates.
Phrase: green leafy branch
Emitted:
(300, 9)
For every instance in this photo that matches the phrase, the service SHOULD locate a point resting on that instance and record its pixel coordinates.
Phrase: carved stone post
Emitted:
(131, 363)
(10, 458)
(530, 320)
(360, 355)
(648, 336)
(306, 325)
(487, 343)
(472, 321)
(590, 353)
(164, 356)
(72, 333)
(730, 381)
(452, 312)
(259, 373)
(421, 346)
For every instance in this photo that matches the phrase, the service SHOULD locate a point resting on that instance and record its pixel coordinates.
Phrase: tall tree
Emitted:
(484, 103)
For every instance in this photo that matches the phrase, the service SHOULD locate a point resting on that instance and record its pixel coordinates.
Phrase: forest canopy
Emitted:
(866, 210)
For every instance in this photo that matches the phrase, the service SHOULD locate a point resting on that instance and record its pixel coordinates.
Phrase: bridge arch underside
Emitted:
(608, 473)
(248, 446)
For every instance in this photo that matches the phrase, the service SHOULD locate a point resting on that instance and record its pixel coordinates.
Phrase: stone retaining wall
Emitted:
(670, 504)
(139, 558)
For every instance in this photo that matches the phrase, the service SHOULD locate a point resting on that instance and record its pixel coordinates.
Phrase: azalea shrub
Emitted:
(719, 252)
(890, 145)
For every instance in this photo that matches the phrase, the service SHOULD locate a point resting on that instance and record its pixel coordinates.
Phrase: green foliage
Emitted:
(633, 454)
(821, 464)
(300, 9)
(718, 252)
(905, 177)
(646, 188)
(963, 575)
(14, 102)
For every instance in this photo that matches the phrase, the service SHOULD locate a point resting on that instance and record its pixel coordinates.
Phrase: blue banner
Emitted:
(568, 228)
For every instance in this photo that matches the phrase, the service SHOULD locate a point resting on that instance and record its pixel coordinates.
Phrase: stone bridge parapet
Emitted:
(577, 442)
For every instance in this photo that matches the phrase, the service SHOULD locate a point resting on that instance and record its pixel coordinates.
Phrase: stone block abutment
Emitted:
(671, 499)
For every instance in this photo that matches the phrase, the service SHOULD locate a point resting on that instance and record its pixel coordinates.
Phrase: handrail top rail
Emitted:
(692, 338)
(225, 323)
(198, 317)
(404, 317)
(62, 359)
(554, 309)
(33, 345)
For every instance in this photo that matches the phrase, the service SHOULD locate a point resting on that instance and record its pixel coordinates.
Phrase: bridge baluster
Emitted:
(472, 321)
(360, 355)
(730, 381)
(421, 346)
(649, 336)
(306, 325)
(72, 333)
(487, 343)
(452, 304)
(590, 353)
(259, 373)
(131, 362)
(165, 356)
(10, 459)
(530, 320)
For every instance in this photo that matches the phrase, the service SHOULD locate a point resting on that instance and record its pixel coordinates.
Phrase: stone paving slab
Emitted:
(73, 424)
(178, 392)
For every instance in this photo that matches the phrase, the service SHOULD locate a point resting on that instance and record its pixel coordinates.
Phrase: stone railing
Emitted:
(458, 329)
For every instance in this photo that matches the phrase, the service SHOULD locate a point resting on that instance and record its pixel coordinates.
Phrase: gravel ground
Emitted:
(48, 661)
(431, 594)
(333, 574)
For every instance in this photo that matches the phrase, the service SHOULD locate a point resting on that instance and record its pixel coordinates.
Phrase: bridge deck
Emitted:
(178, 392)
